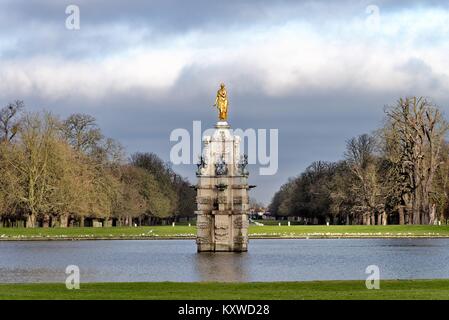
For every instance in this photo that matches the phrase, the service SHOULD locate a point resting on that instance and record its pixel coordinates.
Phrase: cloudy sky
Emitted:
(319, 72)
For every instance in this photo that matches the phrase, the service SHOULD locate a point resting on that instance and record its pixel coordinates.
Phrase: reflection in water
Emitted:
(267, 260)
(222, 266)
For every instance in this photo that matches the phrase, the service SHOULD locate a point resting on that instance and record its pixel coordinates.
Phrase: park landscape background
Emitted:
(64, 172)
(58, 173)
(357, 90)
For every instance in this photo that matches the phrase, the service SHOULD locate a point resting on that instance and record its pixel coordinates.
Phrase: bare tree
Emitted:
(10, 120)
(420, 130)
(30, 161)
(363, 164)
(82, 132)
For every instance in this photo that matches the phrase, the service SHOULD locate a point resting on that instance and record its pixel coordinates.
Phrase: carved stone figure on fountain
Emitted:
(221, 168)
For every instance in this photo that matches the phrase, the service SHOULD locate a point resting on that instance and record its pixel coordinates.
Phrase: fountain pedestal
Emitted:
(222, 193)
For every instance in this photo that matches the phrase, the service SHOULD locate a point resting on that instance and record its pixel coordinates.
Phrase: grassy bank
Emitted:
(390, 289)
(186, 232)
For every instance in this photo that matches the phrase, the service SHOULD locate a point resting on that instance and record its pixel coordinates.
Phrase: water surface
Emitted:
(267, 260)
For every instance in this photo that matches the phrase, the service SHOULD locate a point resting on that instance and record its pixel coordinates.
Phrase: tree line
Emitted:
(65, 172)
(398, 174)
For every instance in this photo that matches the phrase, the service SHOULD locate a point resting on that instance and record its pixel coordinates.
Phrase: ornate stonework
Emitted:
(222, 193)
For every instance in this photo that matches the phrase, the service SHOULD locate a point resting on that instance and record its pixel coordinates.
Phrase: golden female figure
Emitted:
(221, 102)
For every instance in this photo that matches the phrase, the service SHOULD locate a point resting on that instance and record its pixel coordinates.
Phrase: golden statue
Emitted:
(221, 102)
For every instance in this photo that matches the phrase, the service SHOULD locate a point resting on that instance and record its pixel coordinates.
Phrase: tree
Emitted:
(394, 176)
(342, 202)
(9, 187)
(73, 187)
(10, 120)
(306, 196)
(30, 159)
(130, 200)
(185, 204)
(400, 173)
(362, 162)
(55, 173)
(275, 203)
(153, 164)
(441, 185)
(82, 132)
(420, 130)
(160, 192)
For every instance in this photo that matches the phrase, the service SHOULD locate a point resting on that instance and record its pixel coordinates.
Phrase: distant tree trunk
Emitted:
(384, 218)
(108, 222)
(408, 215)
(416, 212)
(46, 221)
(401, 215)
(366, 219)
(63, 220)
(432, 216)
(31, 220)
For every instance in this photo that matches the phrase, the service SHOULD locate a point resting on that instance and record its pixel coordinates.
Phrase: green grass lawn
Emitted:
(92, 233)
(186, 232)
(389, 289)
(350, 231)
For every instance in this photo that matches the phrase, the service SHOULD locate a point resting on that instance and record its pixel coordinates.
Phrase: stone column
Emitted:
(222, 194)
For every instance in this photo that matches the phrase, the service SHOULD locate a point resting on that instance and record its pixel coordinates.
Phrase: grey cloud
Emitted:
(313, 125)
(37, 27)
(426, 79)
